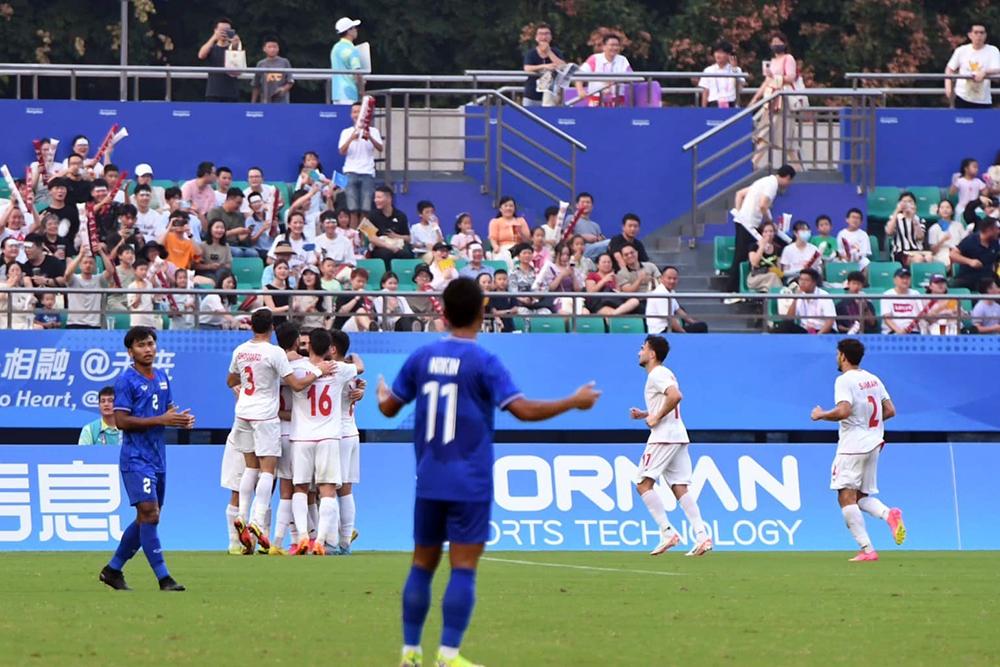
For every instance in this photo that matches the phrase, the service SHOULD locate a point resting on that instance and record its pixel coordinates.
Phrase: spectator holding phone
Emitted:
(221, 87)
(215, 253)
(907, 231)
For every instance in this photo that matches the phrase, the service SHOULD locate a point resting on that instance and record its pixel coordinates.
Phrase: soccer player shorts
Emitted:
(233, 465)
(260, 437)
(350, 459)
(143, 486)
(319, 459)
(285, 463)
(672, 462)
(856, 471)
(438, 521)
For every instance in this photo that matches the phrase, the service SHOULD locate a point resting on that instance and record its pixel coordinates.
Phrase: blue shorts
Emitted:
(143, 486)
(360, 192)
(438, 521)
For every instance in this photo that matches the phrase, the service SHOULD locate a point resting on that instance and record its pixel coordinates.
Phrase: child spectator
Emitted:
(498, 306)
(272, 87)
(46, 316)
(328, 275)
(942, 315)
(827, 244)
(541, 252)
(311, 171)
(140, 301)
(986, 312)
(464, 236)
(578, 245)
(426, 233)
(853, 244)
(354, 313)
(552, 234)
(800, 255)
(967, 184)
(182, 316)
(855, 315)
(344, 229)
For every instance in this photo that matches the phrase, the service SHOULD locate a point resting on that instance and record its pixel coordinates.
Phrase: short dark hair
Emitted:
(630, 216)
(980, 24)
(385, 189)
(34, 239)
(551, 211)
(224, 19)
(777, 34)
(328, 215)
(205, 168)
(219, 170)
(812, 273)
(985, 283)
(142, 187)
(627, 245)
(983, 225)
(907, 193)
(855, 210)
(668, 267)
(74, 155)
(261, 321)
(543, 26)
(270, 38)
(320, 341)
(582, 195)
(611, 35)
(341, 341)
(137, 335)
(856, 277)
(360, 272)
(59, 182)
(463, 302)
(725, 47)
(234, 193)
(139, 261)
(171, 193)
(297, 214)
(853, 349)
(287, 334)
(800, 224)
(112, 167)
(503, 271)
(424, 204)
(820, 218)
(106, 391)
(99, 183)
(659, 346)
(128, 209)
(256, 169)
(786, 171)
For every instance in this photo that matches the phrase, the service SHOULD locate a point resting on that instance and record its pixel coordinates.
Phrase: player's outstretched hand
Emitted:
(383, 389)
(817, 413)
(174, 419)
(586, 396)
(636, 413)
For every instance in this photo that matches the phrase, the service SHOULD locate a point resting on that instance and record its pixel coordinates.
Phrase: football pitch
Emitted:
(533, 608)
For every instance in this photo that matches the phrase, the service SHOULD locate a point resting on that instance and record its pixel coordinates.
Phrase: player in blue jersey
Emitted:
(457, 386)
(144, 409)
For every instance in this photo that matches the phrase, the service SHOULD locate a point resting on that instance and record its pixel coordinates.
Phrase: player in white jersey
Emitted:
(233, 465)
(863, 405)
(666, 454)
(350, 450)
(315, 438)
(257, 367)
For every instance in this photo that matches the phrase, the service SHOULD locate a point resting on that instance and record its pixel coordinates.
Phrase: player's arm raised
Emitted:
(528, 410)
(353, 358)
(299, 384)
(171, 419)
(842, 411)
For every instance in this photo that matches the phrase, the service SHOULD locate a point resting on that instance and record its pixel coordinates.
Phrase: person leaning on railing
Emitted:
(978, 60)
(20, 304)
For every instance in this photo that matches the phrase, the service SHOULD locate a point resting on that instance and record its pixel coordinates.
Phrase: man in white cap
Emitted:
(144, 176)
(345, 56)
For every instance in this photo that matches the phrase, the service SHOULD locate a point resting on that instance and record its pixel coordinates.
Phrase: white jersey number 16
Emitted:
(432, 390)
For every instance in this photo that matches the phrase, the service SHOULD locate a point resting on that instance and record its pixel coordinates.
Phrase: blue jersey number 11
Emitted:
(449, 392)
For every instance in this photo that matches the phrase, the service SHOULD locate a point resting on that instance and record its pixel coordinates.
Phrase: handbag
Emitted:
(236, 57)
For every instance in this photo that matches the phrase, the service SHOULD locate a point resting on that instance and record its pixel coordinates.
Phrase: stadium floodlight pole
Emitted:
(123, 51)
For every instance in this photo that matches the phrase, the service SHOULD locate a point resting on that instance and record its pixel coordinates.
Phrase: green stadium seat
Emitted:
(547, 325)
(164, 183)
(628, 325)
(744, 274)
(248, 271)
(836, 272)
(118, 321)
(375, 269)
(878, 252)
(881, 202)
(242, 185)
(880, 274)
(404, 269)
(590, 325)
(725, 249)
(520, 324)
(923, 272)
(496, 264)
(966, 304)
(772, 306)
(928, 198)
(876, 303)
(460, 264)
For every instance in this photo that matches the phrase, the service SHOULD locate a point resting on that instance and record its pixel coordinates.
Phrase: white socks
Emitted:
(448, 652)
(655, 507)
(690, 507)
(346, 519)
(234, 537)
(300, 510)
(313, 520)
(875, 507)
(248, 483)
(856, 524)
(329, 518)
(284, 518)
(265, 487)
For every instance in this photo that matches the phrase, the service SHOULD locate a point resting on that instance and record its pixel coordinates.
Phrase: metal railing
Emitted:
(764, 136)
(857, 79)
(569, 320)
(562, 170)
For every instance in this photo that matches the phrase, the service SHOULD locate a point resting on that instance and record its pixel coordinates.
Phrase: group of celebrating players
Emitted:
(294, 421)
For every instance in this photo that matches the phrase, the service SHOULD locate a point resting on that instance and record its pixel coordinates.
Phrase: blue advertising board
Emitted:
(732, 382)
(546, 497)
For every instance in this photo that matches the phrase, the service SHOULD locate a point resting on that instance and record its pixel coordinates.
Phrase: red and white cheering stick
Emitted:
(106, 144)
(367, 113)
(435, 302)
(247, 303)
(812, 260)
(926, 309)
(561, 218)
(29, 192)
(114, 190)
(92, 228)
(43, 169)
(847, 250)
(164, 284)
(274, 214)
(21, 204)
(572, 224)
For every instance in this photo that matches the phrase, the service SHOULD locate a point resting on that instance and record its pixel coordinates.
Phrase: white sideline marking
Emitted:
(582, 567)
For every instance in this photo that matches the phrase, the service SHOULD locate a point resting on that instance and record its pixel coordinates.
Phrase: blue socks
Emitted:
(416, 603)
(151, 547)
(459, 599)
(127, 548)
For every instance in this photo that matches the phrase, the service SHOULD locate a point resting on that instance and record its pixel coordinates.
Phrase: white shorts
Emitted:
(350, 459)
(317, 459)
(856, 471)
(262, 437)
(233, 465)
(285, 461)
(671, 462)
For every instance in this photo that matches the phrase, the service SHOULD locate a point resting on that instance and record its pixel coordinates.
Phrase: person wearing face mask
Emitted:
(772, 130)
(801, 255)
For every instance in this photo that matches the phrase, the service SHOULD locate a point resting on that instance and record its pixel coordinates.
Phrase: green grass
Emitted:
(727, 608)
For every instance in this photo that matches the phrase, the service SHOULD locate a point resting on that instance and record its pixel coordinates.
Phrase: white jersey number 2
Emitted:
(449, 392)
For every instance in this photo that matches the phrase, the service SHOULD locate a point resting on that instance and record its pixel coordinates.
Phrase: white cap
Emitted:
(344, 24)
(474, 246)
(143, 170)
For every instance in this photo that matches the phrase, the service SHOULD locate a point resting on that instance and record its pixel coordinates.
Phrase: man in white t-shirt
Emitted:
(753, 206)
(609, 61)
(149, 222)
(331, 245)
(801, 255)
(256, 368)
(273, 201)
(853, 244)
(978, 60)
(899, 314)
(358, 149)
(350, 448)
(816, 315)
(664, 314)
(863, 405)
(720, 91)
(666, 455)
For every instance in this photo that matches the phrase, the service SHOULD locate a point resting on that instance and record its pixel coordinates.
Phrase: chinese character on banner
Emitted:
(15, 502)
(78, 501)
(122, 362)
(52, 364)
(165, 362)
(19, 364)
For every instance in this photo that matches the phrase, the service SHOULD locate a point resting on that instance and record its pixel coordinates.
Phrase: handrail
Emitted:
(914, 76)
(541, 121)
(620, 76)
(732, 120)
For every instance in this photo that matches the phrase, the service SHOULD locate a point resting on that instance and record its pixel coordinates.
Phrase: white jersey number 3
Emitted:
(449, 392)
